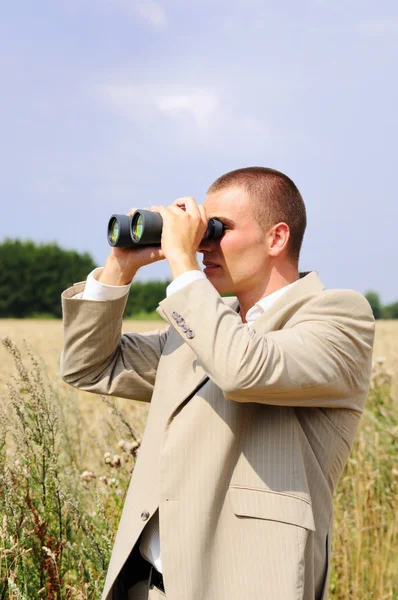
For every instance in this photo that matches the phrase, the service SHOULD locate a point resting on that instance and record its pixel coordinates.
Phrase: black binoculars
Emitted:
(144, 228)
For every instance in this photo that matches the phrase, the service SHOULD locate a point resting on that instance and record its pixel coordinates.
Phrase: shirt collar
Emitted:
(262, 305)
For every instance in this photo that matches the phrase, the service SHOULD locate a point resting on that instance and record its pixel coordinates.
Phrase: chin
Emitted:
(220, 286)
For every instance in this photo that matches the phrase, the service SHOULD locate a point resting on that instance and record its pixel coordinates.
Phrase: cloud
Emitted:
(378, 27)
(153, 13)
(201, 105)
(205, 114)
(137, 102)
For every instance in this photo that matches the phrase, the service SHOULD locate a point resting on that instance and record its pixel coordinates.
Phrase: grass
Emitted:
(365, 544)
(66, 458)
(147, 316)
(58, 519)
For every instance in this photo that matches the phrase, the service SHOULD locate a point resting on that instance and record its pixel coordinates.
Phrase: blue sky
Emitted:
(108, 105)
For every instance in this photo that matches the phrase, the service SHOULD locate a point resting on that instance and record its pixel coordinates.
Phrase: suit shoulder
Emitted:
(348, 300)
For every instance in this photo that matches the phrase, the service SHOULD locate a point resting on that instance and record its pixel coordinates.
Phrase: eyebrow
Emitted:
(225, 220)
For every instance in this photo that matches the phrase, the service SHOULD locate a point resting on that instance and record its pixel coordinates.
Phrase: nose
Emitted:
(206, 245)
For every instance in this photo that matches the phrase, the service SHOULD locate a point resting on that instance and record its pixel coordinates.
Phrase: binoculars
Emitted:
(144, 228)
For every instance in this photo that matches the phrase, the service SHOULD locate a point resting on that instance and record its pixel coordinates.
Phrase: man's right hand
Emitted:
(123, 263)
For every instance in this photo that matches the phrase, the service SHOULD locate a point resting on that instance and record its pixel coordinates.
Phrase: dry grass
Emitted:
(45, 338)
(365, 547)
(386, 344)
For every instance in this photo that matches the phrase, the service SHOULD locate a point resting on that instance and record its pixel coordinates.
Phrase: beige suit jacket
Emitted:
(248, 431)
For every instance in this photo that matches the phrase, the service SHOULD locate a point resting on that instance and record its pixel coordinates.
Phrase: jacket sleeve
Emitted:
(97, 358)
(321, 357)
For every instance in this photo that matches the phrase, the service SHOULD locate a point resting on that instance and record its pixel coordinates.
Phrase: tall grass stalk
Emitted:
(59, 516)
(57, 520)
(365, 544)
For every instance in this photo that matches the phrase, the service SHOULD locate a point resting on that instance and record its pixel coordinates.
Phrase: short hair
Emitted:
(276, 199)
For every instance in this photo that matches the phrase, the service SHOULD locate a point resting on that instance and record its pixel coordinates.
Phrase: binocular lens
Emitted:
(137, 227)
(113, 231)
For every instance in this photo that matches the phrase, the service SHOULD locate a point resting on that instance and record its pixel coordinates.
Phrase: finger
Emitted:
(191, 207)
(203, 214)
(178, 202)
(176, 210)
(162, 210)
(156, 254)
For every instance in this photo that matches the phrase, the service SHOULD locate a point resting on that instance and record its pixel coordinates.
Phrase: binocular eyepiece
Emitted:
(144, 228)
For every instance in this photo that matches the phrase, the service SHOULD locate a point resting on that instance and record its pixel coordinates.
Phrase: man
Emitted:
(255, 399)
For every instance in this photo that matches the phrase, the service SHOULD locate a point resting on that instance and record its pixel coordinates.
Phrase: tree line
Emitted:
(33, 277)
(388, 311)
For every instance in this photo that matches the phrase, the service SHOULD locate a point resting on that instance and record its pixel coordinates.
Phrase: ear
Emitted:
(278, 238)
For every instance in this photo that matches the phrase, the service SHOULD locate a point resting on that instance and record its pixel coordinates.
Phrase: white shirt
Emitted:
(94, 290)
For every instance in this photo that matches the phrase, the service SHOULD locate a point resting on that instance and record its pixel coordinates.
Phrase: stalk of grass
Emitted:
(365, 546)
(58, 522)
(59, 516)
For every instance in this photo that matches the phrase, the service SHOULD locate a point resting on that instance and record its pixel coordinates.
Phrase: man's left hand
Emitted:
(184, 225)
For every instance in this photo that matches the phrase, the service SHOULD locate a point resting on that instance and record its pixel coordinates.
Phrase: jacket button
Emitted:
(185, 328)
(190, 334)
(145, 515)
(180, 321)
(175, 315)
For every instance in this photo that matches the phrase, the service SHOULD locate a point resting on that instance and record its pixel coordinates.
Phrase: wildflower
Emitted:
(87, 476)
(116, 462)
(108, 458)
(129, 447)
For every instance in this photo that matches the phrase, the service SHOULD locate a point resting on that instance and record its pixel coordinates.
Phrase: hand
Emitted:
(184, 225)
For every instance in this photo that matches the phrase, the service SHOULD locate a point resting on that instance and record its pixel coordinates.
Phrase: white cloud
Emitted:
(202, 115)
(201, 105)
(153, 13)
(378, 27)
(139, 101)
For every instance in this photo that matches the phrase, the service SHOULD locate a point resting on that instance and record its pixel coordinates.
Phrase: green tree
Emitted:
(145, 296)
(390, 311)
(33, 276)
(374, 301)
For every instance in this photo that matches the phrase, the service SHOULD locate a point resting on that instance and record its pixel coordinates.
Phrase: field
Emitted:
(94, 445)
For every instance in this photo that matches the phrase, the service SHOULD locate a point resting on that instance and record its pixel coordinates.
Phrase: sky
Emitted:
(108, 105)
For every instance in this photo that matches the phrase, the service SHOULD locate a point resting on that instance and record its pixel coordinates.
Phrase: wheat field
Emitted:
(56, 544)
(45, 339)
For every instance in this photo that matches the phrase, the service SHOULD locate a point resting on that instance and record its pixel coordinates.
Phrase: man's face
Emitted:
(241, 252)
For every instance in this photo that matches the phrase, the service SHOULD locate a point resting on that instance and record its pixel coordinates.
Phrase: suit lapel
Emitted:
(191, 374)
(276, 316)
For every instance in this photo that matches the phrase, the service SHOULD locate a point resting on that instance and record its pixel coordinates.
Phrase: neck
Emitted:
(277, 279)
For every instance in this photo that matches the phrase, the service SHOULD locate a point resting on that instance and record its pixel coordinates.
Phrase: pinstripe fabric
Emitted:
(247, 434)
(150, 539)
